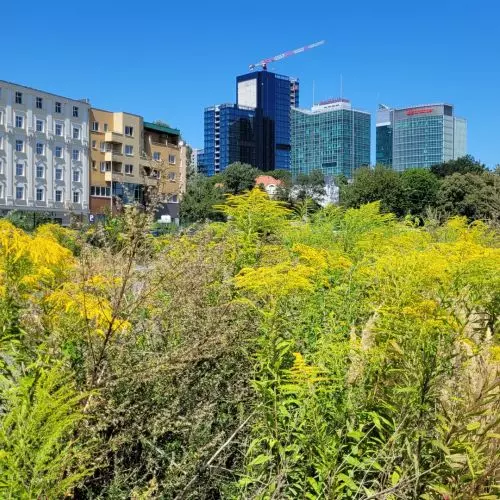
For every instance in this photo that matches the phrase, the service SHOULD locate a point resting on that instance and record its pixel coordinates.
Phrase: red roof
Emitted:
(266, 180)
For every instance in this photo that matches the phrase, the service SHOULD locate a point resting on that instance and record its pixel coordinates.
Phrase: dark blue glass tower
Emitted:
(271, 95)
(256, 130)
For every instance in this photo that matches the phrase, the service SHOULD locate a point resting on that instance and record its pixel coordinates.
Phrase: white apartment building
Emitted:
(44, 152)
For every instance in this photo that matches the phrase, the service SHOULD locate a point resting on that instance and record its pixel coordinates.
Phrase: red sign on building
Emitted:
(421, 111)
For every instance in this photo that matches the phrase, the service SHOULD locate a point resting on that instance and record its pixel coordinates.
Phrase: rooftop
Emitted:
(85, 101)
(162, 128)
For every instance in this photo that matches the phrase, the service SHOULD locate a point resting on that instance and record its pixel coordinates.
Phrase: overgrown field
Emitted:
(347, 355)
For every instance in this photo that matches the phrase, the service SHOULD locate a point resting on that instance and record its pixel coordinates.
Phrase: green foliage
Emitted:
(419, 190)
(40, 455)
(310, 186)
(198, 201)
(465, 165)
(340, 354)
(239, 177)
(371, 185)
(471, 195)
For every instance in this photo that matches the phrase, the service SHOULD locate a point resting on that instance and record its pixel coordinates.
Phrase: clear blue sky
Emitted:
(168, 60)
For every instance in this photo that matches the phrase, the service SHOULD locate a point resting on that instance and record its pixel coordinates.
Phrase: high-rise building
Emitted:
(256, 130)
(229, 137)
(419, 136)
(44, 162)
(331, 137)
(271, 95)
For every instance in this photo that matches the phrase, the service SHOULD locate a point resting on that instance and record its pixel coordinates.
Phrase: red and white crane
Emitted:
(265, 62)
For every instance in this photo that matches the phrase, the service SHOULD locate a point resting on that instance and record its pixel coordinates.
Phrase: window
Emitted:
(19, 146)
(94, 144)
(174, 198)
(129, 150)
(39, 126)
(76, 197)
(39, 148)
(39, 102)
(129, 131)
(171, 159)
(75, 111)
(76, 175)
(103, 166)
(58, 107)
(129, 169)
(76, 133)
(102, 146)
(171, 176)
(19, 121)
(40, 194)
(59, 174)
(76, 155)
(95, 126)
(59, 153)
(99, 191)
(19, 169)
(105, 127)
(40, 171)
(19, 97)
(156, 156)
(58, 195)
(19, 193)
(59, 129)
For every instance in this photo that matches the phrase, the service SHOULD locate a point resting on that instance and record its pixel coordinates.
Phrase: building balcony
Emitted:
(113, 137)
(115, 156)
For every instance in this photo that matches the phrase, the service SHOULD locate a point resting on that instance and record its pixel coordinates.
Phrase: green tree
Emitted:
(420, 188)
(309, 186)
(464, 165)
(239, 177)
(369, 185)
(471, 195)
(197, 203)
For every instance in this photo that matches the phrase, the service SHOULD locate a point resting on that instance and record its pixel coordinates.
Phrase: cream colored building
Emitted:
(116, 146)
(128, 156)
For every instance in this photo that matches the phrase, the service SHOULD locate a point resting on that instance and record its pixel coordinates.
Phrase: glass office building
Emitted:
(271, 95)
(229, 137)
(331, 137)
(255, 130)
(419, 136)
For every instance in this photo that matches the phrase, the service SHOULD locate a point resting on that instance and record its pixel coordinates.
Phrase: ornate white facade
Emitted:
(44, 152)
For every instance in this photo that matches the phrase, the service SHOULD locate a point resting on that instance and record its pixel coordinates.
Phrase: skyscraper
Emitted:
(331, 137)
(255, 130)
(419, 136)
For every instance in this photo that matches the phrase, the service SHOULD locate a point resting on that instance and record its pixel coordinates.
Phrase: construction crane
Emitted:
(265, 62)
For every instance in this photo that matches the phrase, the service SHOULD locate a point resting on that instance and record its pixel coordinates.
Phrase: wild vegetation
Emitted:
(461, 187)
(341, 355)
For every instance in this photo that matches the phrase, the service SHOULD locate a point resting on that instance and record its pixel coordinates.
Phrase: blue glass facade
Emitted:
(332, 138)
(420, 136)
(256, 130)
(229, 137)
(271, 95)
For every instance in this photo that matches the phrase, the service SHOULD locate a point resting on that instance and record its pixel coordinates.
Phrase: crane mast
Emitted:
(289, 53)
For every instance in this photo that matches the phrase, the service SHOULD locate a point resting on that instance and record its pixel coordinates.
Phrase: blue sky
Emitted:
(169, 60)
